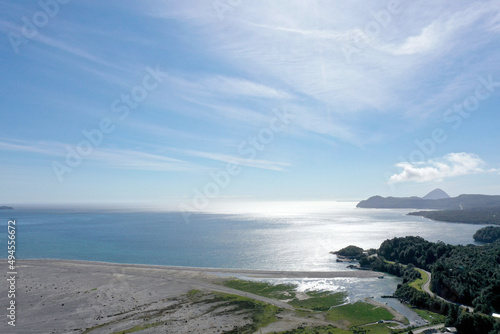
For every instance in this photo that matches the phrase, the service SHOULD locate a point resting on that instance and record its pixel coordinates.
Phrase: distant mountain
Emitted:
(6, 208)
(452, 203)
(436, 194)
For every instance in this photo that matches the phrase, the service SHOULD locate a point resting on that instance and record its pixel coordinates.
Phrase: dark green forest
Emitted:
(487, 234)
(467, 216)
(467, 275)
(351, 251)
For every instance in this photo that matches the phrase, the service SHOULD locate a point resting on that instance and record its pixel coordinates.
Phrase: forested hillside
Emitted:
(487, 234)
(467, 216)
(467, 275)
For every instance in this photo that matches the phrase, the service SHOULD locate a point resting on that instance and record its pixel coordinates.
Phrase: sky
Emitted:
(184, 103)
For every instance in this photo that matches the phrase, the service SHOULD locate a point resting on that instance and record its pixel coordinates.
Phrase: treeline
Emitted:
(465, 322)
(463, 274)
(351, 251)
(487, 234)
(415, 250)
(408, 273)
(467, 216)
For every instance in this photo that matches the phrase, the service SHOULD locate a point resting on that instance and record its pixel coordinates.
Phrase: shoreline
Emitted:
(354, 273)
(61, 296)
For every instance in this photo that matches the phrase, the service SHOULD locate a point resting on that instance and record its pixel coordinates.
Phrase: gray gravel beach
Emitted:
(60, 296)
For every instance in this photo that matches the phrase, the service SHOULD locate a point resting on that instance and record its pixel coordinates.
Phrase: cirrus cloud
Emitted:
(451, 165)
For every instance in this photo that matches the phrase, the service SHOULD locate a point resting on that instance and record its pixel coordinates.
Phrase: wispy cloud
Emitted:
(451, 165)
(229, 86)
(105, 157)
(226, 87)
(299, 47)
(438, 35)
(135, 160)
(237, 160)
(40, 147)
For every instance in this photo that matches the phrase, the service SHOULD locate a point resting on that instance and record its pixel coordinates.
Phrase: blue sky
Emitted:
(171, 102)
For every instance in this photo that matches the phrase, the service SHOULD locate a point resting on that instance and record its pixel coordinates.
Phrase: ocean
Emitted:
(259, 235)
(266, 235)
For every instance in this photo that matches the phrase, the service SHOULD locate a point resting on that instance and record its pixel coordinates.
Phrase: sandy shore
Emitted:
(58, 296)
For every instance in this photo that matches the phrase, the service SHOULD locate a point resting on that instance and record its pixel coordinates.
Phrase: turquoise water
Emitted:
(273, 236)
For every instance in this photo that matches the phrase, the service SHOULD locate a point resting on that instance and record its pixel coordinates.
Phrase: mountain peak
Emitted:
(436, 194)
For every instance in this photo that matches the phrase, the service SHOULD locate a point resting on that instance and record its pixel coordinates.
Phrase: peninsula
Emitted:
(467, 209)
(430, 201)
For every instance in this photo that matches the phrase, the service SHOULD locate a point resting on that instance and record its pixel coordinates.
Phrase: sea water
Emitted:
(260, 235)
(265, 235)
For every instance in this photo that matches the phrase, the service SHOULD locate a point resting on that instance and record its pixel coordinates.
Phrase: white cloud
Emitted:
(298, 45)
(237, 160)
(138, 160)
(439, 34)
(108, 158)
(241, 87)
(451, 165)
(425, 42)
(135, 160)
(40, 147)
(225, 87)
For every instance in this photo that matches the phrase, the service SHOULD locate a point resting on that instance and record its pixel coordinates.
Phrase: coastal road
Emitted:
(427, 285)
(221, 288)
(427, 289)
(421, 330)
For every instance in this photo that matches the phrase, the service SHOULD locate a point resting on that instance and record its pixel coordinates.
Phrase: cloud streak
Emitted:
(105, 157)
(236, 160)
(298, 45)
(451, 165)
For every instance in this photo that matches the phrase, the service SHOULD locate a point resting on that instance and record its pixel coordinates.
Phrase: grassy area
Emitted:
(317, 330)
(359, 313)
(317, 301)
(378, 329)
(262, 313)
(417, 284)
(276, 291)
(320, 301)
(433, 318)
(139, 328)
(193, 292)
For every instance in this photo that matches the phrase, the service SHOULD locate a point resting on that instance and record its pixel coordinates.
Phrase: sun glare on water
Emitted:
(278, 208)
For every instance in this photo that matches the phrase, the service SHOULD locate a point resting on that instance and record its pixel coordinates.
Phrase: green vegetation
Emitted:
(193, 292)
(317, 301)
(378, 329)
(278, 291)
(351, 251)
(465, 274)
(317, 330)
(468, 275)
(407, 272)
(431, 317)
(467, 216)
(139, 328)
(417, 284)
(477, 324)
(320, 301)
(262, 313)
(359, 313)
(487, 234)
(462, 202)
